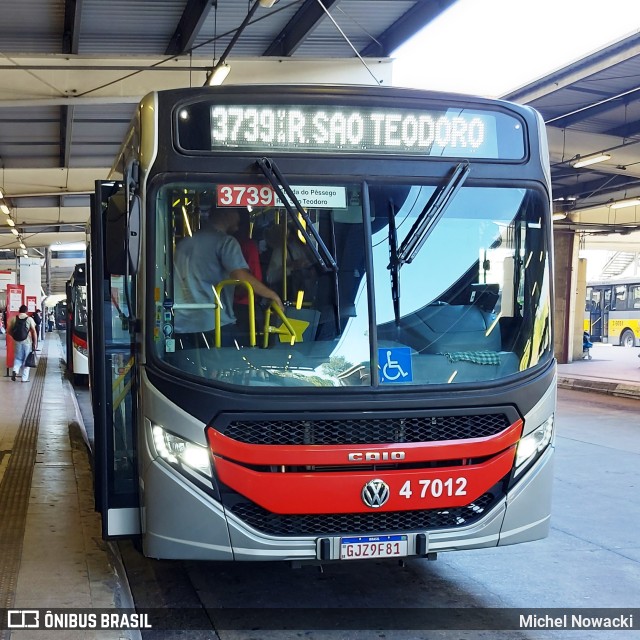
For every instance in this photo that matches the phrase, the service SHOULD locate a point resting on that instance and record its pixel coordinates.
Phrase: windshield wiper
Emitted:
(281, 187)
(394, 265)
(431, 214)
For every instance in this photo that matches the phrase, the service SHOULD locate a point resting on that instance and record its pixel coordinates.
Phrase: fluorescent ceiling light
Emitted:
(559, 216)
(585, 161)
(218, 75)
(10, 222)
(620, 204)
(5, 209)
(70, 246)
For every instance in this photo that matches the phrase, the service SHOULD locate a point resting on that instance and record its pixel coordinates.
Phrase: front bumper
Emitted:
(182, 521)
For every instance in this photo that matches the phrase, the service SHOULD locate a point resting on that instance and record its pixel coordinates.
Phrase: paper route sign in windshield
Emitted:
(257, 195)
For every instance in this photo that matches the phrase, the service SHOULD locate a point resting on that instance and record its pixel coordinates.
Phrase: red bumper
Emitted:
(453, 483)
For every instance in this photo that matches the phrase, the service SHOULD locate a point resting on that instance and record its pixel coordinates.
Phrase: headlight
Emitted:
(176, 450)
(535, 442)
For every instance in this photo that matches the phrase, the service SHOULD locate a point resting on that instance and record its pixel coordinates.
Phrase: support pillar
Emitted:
(566, 247)
(47, 266)
(580, 304)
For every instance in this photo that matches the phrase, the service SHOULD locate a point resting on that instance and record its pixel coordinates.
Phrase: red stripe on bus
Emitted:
(79, 341)
(317, 493)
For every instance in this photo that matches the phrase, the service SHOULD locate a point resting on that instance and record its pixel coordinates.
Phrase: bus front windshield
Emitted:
(376, 289)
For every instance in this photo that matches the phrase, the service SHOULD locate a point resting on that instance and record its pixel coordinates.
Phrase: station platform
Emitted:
(52, 555)
(612, 370)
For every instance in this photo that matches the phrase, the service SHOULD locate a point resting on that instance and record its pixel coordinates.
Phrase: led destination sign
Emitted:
(453, 132)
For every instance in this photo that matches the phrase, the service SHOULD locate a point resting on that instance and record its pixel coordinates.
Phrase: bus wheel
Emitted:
(627, 339)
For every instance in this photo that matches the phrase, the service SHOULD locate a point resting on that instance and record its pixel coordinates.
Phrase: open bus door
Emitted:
(595, 306)
(606, 309)
(112, 371)
(68, 356)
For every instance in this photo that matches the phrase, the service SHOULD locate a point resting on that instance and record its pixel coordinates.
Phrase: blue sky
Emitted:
(489, 47)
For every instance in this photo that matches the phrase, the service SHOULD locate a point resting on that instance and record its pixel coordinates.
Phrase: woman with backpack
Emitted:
(22, 329)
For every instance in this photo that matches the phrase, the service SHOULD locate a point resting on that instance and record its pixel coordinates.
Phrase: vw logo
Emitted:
(375, 493)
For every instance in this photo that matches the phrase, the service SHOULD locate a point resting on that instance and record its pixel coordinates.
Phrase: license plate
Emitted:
(361, 547)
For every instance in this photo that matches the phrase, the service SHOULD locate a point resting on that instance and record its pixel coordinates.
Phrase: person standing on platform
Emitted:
(23, 331)
(37, 318)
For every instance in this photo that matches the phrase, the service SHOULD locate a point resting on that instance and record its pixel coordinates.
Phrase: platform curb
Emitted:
(608, 387)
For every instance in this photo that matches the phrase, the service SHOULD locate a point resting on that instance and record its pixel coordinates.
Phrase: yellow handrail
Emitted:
(252, 310)
(286, 325)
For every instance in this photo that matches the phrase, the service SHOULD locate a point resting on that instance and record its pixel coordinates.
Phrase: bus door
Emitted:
(112, 372)
(595, 314)
(606, 309)
(68, 356)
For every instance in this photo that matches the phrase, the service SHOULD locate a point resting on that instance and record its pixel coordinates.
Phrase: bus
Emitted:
(612, 311)
(391, 389)
(77, 354)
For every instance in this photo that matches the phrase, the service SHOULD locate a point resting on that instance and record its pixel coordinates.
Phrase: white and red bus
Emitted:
(77, 358)
(403, 402)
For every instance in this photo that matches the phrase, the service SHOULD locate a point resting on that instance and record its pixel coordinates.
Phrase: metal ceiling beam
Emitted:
(70, 44)
(592, 110)
(66, 130)
(602, 188)
(420, 15)
(194, 16)
(628, 130)
(35, 227)
(298, 28)
(72, 19)
(588, 67)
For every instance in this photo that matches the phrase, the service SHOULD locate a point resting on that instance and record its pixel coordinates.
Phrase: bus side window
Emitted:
(620, 300)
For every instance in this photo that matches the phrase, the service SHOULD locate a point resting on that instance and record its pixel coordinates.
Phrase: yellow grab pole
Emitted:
(252, 310)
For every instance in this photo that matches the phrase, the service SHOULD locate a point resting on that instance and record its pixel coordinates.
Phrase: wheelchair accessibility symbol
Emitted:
(395, 365)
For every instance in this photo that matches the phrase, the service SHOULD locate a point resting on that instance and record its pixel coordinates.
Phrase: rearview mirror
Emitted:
(133, 235)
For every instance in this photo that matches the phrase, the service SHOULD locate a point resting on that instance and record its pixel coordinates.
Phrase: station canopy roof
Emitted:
(592, 112)
(72, 71)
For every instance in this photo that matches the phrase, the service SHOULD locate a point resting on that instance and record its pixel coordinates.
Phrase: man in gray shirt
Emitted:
(201, 262)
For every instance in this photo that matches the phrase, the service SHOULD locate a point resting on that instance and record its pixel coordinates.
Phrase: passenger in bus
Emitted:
(202, 261)
(300, 271)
